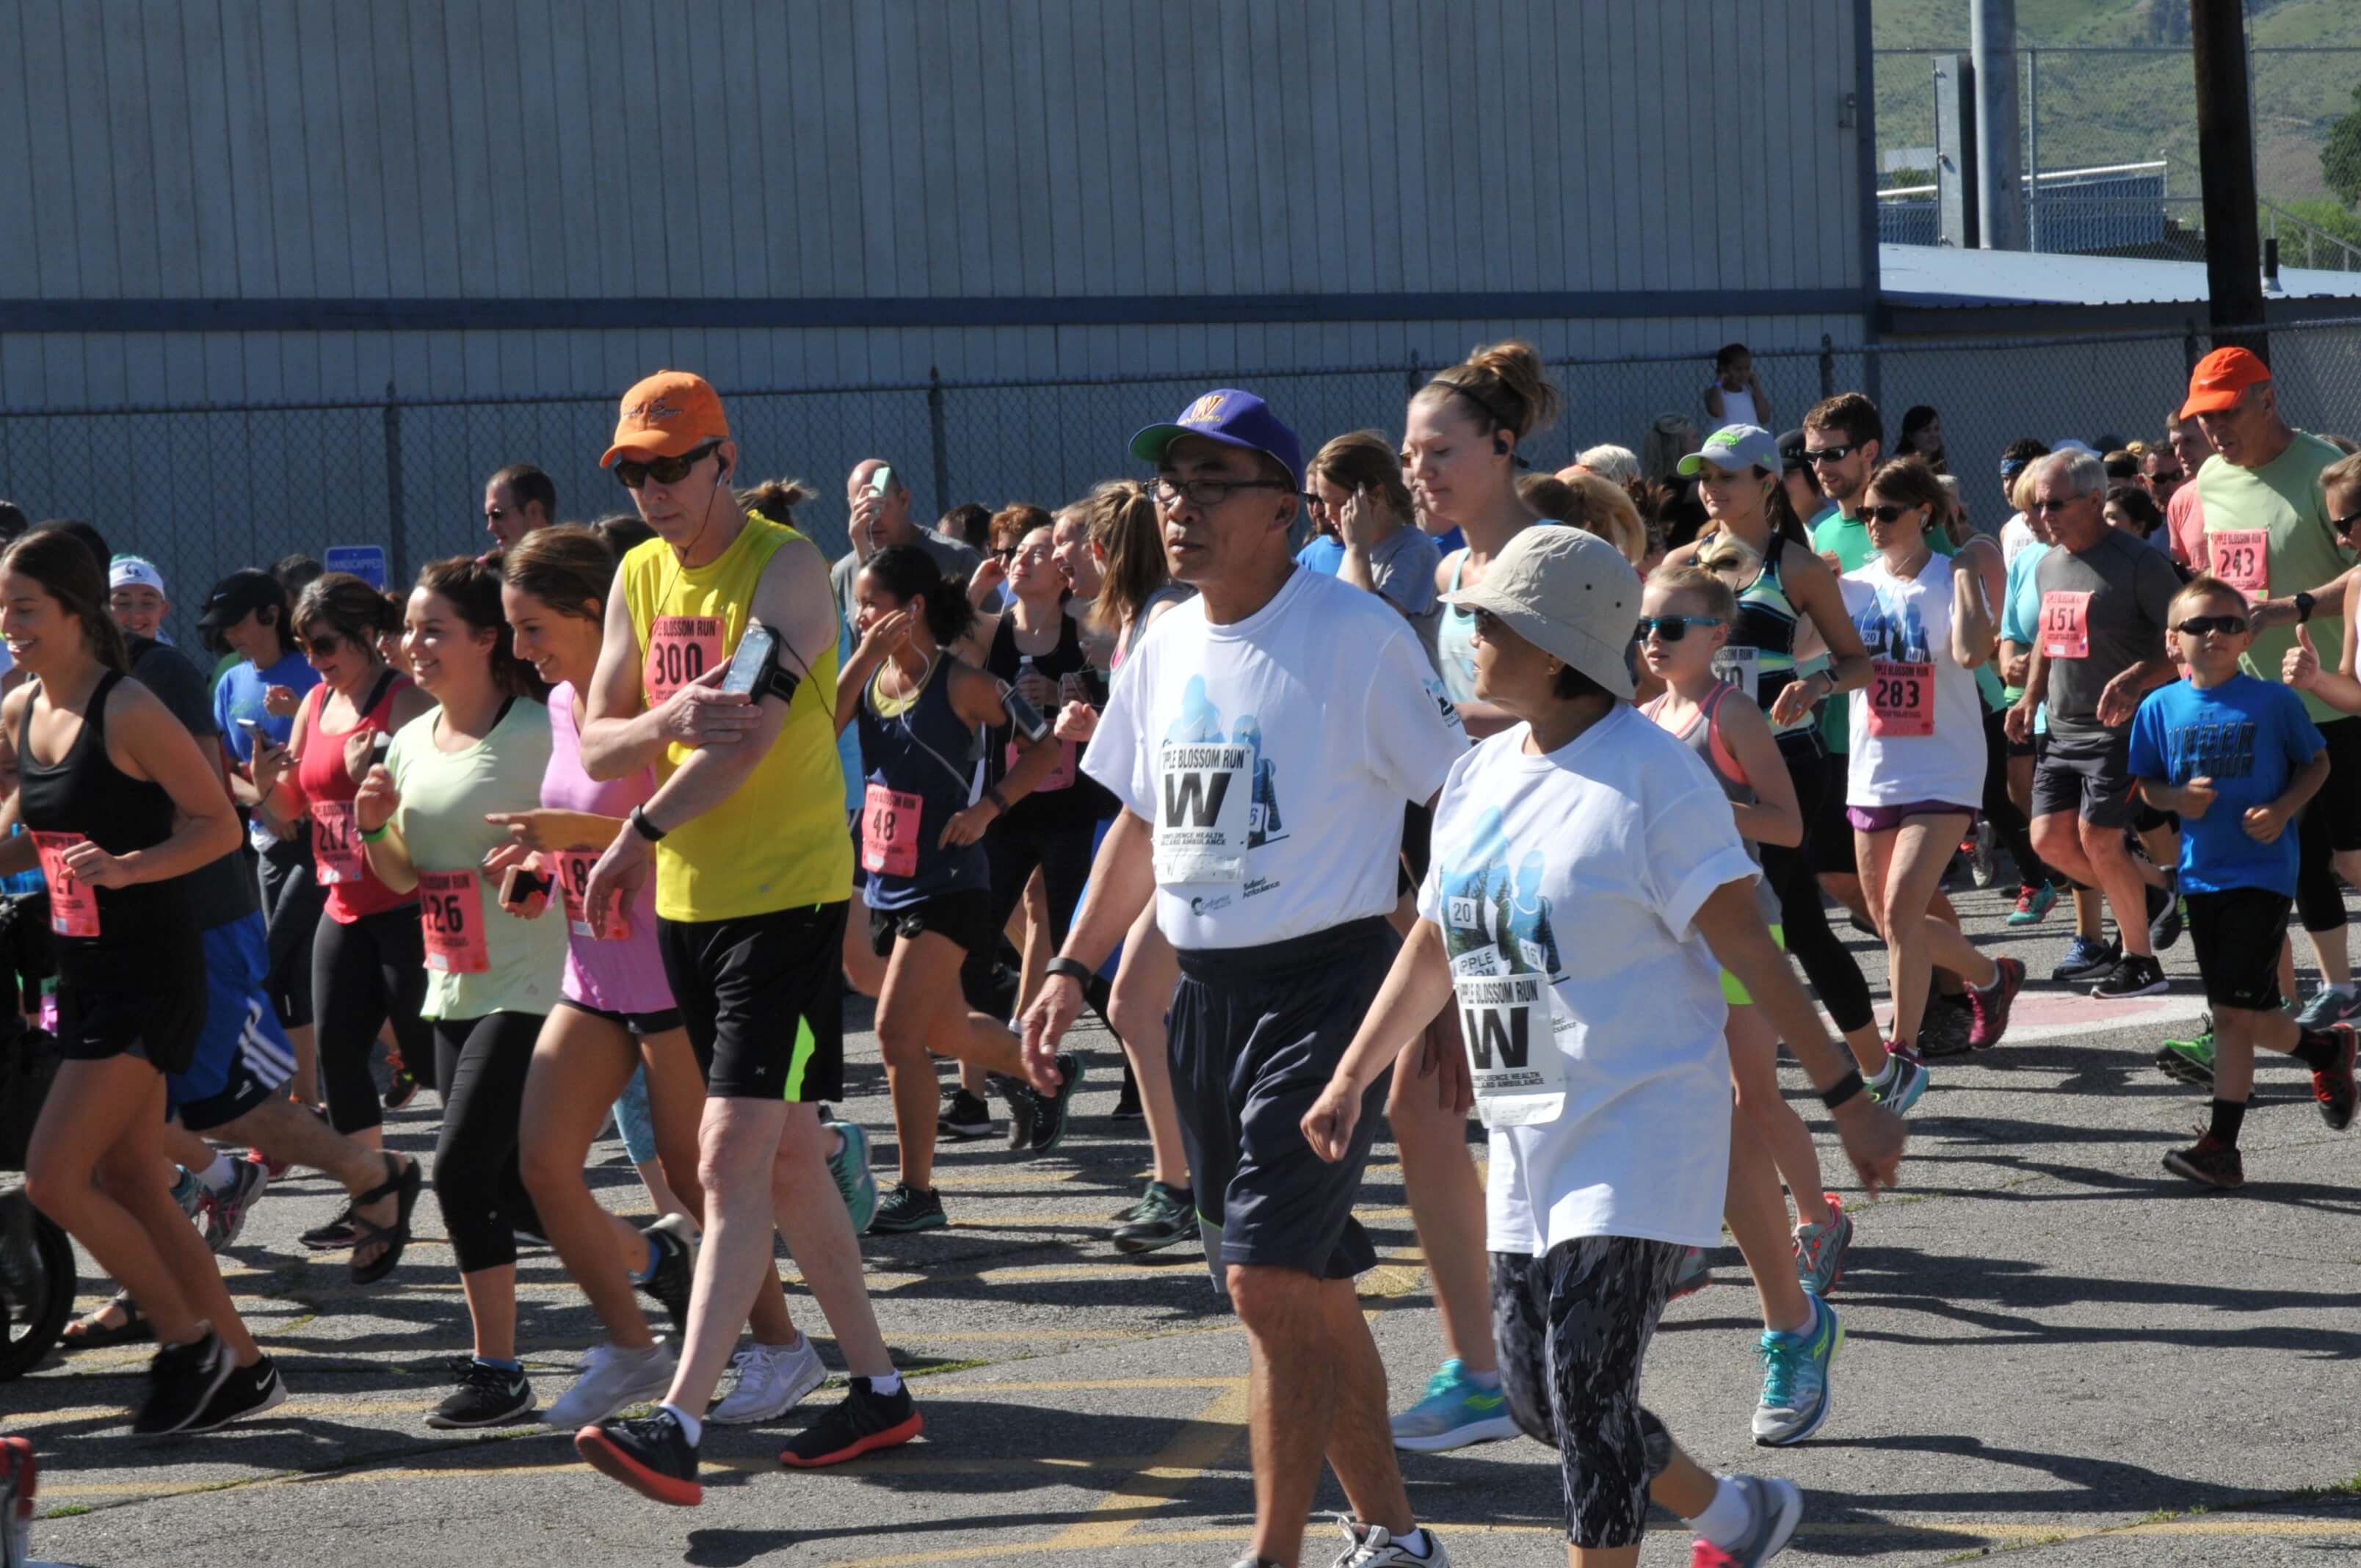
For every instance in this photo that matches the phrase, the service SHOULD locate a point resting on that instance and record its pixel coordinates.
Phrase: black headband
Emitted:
(1491, 409)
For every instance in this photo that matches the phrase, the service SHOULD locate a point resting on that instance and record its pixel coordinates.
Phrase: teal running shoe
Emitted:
(854, 1179)
(1795, 1379)
(2034, 904)
(1908, 1082)
(1457, 1411)
(1820, 1248)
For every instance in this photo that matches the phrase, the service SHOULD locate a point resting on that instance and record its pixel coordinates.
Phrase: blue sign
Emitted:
(365, 561)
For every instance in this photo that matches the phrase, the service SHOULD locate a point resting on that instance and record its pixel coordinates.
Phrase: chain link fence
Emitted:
(205, 491)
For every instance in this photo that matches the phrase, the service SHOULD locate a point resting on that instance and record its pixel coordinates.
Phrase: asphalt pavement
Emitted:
(2052, 1348)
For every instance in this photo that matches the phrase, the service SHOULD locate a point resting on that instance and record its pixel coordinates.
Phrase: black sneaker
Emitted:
(676, 1271)
(2215, 1165)
(1049, 1110)
(964, 1117)
(400, 1087)
(909, 1209)
(1158, 1221)
(651, 1455)
(335, 1235)
(182, 1381)
(863, 1422)
(486, 1397)
(247, 1391)
(1126, 1103)
(2163, 917)
(1945, 1031)
(2135, 974)
(1023, 1110)
(2333, 1088)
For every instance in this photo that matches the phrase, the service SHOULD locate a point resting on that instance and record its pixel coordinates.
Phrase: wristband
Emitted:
(646, 828)
(1074, 970)
(2303, 603)
(378, 836)
(991, 792)
(1846, 1087)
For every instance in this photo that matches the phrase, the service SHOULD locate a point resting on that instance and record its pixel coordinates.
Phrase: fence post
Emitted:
(2189, 343)
(1827, 366)
(938, 425)
(1411, 383)
(397, 567)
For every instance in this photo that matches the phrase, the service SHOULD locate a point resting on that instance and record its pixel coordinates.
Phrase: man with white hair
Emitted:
(2105, 600)
(1619, 463)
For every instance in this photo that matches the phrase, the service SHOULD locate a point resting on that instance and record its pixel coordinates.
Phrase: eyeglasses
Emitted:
(320, 647)
(633, 472)
(1172, 492)
(2042, 509)
(1828, 453)
(1887, 513)
(2344, 524)
(1671, 628)
(2199, 625)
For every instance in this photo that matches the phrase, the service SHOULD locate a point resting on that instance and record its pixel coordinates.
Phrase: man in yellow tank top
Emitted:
(745, 837)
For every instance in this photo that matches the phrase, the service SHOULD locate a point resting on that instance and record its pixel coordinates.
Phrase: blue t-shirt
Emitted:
(1444, 544)
(1323, 555)
(2249, 737)
(2020, 616)
(239, 696)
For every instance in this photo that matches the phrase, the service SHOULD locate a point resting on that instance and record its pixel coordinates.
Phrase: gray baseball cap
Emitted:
(1735, 446)
(1567, 592)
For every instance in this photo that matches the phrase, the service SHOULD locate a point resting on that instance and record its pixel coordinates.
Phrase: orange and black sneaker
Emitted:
(651, 1455)
(2334, 1086)
(863, 1422)
(2207, 1160)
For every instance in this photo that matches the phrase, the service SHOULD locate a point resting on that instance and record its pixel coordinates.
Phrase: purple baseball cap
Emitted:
(1234, 419)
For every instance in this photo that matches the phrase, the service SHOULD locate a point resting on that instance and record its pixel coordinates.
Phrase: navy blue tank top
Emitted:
(922, 752)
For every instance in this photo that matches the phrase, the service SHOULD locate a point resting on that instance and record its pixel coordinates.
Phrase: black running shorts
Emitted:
(762, 998)
(2237, 934)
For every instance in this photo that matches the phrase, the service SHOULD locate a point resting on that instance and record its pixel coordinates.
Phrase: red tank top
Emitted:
(353, 889)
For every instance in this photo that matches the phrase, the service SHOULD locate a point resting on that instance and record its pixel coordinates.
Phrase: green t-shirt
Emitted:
(1847, 538)
(2284, 499)
(445, 795)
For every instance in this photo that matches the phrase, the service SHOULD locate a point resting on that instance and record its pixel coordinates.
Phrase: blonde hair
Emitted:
(2341, 477)
(1619, 463)
(1726, 558)
(2202, 586)
(1592, 504)
(1720, 599)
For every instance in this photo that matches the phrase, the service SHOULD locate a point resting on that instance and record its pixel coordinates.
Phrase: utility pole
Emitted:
(2000, 203)
(2225, 152)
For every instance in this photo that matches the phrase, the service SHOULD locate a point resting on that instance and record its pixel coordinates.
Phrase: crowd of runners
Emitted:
(606, 820)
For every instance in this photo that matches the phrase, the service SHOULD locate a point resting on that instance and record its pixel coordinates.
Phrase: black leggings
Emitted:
(362, 974)
(1843, 991)
(1014, 849)
(479, 1067)
(2016, 833)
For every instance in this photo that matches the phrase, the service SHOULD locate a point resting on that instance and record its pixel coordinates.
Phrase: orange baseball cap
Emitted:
(2219, 377)
(669, 414)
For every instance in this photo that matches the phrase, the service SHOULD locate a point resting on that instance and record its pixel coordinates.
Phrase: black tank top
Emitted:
(84, 792)
(1085, 800)
(926, 749)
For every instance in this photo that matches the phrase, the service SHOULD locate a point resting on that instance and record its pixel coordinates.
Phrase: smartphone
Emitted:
(881, 481)
(254, 724)
(755, 663)
(521, 885)
(379, 747)
(1023, 716)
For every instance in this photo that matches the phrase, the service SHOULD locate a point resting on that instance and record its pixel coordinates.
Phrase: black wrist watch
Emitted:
(1074, 970)
(991, 792)
(2303, 603)
(646, 828)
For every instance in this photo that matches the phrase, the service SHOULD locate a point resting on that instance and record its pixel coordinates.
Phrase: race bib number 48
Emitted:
(1204, 811)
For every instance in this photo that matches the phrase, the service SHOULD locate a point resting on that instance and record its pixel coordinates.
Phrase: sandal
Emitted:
(335, 1235)
(93, 1331)
(405, 1188)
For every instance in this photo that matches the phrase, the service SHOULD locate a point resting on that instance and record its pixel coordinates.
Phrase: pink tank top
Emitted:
(624, 974)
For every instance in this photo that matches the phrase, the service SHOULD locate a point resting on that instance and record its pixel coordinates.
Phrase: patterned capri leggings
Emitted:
(1573, 1326)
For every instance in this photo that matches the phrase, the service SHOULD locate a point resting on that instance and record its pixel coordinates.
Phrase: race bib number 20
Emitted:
(1204, 811)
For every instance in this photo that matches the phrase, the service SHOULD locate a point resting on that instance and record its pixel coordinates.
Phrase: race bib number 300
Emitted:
(1509, 1025)
(1204, 810)
(680, 649)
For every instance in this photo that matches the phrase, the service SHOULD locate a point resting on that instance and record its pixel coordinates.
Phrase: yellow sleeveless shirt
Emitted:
(780, 842)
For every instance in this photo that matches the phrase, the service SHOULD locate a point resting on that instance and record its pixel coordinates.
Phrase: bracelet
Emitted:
(646, 828)
(991, 792)
(1846, 1087)
(378, 836)
(1074, 970)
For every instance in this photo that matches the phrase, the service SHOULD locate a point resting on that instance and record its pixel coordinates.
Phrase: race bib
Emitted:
(889, 831)
(1900, 699)
(336, 844)
(1740, 667)
(2066, 625)
(1205, 810)
(572, 871)
(1508, 1025)
(2242, 558)
(1060, 777)
(73, 903)
(680, 649)
(450, 912)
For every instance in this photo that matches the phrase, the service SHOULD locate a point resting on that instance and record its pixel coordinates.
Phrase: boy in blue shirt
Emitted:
(2237, 758)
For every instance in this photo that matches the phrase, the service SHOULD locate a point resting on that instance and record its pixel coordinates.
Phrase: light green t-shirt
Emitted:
(445, 795)
(2283, 499)
(1847, 538)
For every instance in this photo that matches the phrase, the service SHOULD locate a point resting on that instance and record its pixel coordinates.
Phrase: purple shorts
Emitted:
(1886, 818)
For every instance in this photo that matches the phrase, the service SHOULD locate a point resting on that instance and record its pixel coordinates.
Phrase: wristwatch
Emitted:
(1074, 970)
(2303, 603)
(646, 828)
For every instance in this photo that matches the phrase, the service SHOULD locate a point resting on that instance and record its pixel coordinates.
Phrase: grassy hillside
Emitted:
(2131, 106)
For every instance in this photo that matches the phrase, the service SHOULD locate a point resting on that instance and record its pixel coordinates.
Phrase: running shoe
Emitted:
(669, 1283)
(1127, 1107)
(861, 1422)
(1991, 1004)
(2087, 958)
(225, 1211)
(2033, 904)
(612, 1380)
(1820, 1247)
(2165, 916)
(1979, 854)
(401, 1086)
(651, 1456)
(909, 1209)
(182, 1381)
(1024, 1108)
(964, 1117)
(771, 1380)
(1695, 1274)
(1456, 1412)
(276, 1168)
(335, 1235)
(1772, 1508)
(2334, 1087)
(2215, 1164)
(189, 1193)
(2327, 1007)
(2135, 974)
(1162, 1219)
(247, 1391)
(1908, 1082)
(1945, 1030)
(1795, 1379)
(2189, 1061)
(1374, 1546)
(488, 1396)
(855, 1182)
(1049, 1110)
(19, 1484)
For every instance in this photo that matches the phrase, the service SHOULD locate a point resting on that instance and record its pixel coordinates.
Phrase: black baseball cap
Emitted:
(239, 596)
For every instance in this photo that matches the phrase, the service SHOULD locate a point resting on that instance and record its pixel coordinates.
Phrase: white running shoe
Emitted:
(612, 1380)
(771, 1379)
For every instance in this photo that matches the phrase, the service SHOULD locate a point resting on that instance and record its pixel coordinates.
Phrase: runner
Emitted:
(1609, 1153)
(135, 597)
(1277, 691)
(518, 500)
(752, 868)
(120, 805)
(1358, 481)
(930, 891)
(421, 816)
(2104, 595)
(1918, 755)
(2238, 759)
(2184, 519)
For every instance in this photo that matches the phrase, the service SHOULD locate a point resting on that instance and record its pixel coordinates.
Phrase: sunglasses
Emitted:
(2168, 476)
(1671, 628)
(1828, 453)
(2199, 625)
(2043, 509)
(2344, 524)
(1886, 513)
(320, 647)
(633, 472)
